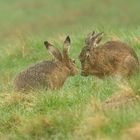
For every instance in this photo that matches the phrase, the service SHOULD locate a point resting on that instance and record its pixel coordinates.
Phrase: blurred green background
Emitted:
(51, 17)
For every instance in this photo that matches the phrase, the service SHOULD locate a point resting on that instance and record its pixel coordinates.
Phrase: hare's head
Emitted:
(87, 55)
(63, 57)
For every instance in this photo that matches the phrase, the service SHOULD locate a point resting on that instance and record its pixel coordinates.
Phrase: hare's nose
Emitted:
(83, 73)
(73, 60)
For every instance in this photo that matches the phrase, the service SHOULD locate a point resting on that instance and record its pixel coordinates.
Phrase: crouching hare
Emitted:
(48, 74)
(112, 58)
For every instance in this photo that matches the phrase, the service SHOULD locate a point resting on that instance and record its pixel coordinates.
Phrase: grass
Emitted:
(75, 111)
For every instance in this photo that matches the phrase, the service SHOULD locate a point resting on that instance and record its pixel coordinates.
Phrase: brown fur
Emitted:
(47, 74)
(111, 58)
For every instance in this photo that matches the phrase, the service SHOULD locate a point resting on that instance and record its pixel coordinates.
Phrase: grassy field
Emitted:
(76, 111)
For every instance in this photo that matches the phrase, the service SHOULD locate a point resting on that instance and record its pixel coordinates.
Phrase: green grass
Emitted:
(73, 112)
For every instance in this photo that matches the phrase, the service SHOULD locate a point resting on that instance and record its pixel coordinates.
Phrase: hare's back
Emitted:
(118, 49)
(35, 76)
(117, 46)
(43, 67)
(122, 57)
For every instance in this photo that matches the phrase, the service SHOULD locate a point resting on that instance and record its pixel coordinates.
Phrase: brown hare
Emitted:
(48, 74)
(112, 58)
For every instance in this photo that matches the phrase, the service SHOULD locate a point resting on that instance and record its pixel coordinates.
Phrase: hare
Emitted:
(48, 74)
(113, 58)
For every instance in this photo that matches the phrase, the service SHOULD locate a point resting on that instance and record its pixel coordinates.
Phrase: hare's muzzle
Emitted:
(83, 73)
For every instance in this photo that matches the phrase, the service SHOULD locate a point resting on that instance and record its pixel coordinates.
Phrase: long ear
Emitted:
(89, 37)
(96, 39)
(53, 51)
(66, 47)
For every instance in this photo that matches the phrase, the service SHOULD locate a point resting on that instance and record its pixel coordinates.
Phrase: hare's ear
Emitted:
(97, 38)
(89, 38)
(53, 51)
(66, 48)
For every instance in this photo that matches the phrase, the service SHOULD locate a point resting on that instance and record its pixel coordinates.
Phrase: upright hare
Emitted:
(111, 58)
(48, 74)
